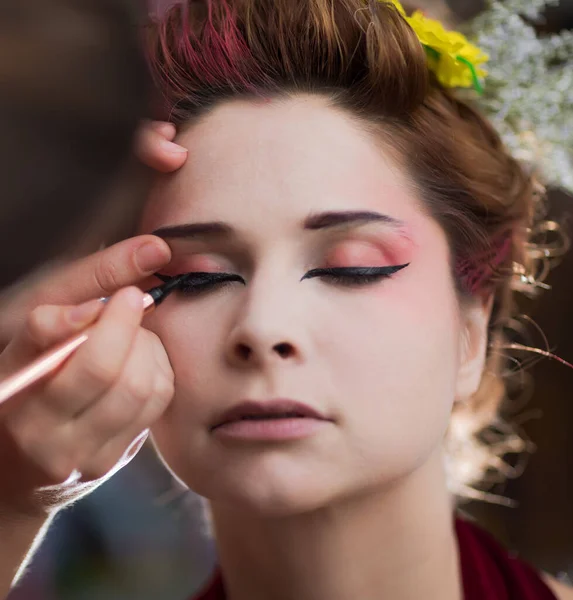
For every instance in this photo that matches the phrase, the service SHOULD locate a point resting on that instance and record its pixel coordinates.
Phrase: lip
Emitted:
(277, 419)
(268, 408)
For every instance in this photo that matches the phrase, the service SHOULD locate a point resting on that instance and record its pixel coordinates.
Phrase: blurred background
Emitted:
(141, 536)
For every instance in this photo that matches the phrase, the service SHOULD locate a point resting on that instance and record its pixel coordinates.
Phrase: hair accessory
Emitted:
(451, 57)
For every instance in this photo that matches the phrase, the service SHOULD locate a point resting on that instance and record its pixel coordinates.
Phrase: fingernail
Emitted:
(84, 313)
(151, 257)
(134, 297)
(172, 148)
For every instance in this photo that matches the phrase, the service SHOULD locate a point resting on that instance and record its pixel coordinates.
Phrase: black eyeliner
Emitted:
(202, 281)
(199, 281)
(356, 273)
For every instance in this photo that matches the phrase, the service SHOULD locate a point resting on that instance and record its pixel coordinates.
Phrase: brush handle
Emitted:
(51, 360)
(39, 368)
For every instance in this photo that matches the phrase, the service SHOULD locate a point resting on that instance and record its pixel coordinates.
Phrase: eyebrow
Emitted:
(190, 230)
(328, 220)
(314, 222)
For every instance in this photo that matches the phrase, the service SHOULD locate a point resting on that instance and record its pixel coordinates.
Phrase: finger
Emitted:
(116, 267)
(145, 384)
(100, 274)
(45, 327)
(157, 151)
(119, 449)
(105, 418)
(140, 397)
(97, 365)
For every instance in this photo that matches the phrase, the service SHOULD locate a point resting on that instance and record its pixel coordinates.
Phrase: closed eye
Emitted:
(354, 276)
(199, 282)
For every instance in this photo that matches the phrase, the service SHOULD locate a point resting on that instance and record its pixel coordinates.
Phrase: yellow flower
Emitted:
(454, 60)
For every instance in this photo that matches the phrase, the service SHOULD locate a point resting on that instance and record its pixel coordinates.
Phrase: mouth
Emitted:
(269, 420)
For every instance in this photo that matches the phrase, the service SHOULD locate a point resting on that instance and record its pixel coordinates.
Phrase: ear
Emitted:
(475, 316)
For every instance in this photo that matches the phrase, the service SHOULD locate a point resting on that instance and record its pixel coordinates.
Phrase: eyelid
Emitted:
(357, 252)
(204, 262)
(231, 251)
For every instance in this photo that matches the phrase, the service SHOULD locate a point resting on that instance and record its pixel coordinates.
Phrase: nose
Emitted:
(247, 353)
(266, 330)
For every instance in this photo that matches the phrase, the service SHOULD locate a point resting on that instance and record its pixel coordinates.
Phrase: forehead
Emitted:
(277, 162)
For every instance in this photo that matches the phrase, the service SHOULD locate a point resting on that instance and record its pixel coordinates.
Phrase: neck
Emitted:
(396, 543)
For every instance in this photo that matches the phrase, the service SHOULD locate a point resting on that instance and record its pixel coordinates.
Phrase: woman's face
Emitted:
(276, 192)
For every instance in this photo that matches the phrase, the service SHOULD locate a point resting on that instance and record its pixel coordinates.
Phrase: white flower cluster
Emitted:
(528, 93)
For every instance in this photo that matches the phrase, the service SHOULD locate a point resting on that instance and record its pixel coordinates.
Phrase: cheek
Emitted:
(393, 375)
(394, 356)
(191, 340)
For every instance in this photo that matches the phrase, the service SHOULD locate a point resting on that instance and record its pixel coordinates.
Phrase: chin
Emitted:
(272, 488)
(271, 501)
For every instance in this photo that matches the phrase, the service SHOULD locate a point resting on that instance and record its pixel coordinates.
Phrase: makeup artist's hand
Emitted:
(92, 416)
(156, 149)
(26, 332)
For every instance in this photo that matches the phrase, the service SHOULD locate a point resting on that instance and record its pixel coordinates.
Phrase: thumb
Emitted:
(105, 272)
(101, 274)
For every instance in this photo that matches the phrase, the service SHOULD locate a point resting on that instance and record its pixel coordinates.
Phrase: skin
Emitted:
(360, 508)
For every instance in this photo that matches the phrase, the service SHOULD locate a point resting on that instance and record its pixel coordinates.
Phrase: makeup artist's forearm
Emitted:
(20, 536)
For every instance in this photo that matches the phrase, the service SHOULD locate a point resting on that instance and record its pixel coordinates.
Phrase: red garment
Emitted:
(488, 571)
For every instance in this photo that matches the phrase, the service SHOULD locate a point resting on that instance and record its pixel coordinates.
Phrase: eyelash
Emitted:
(198, 283)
